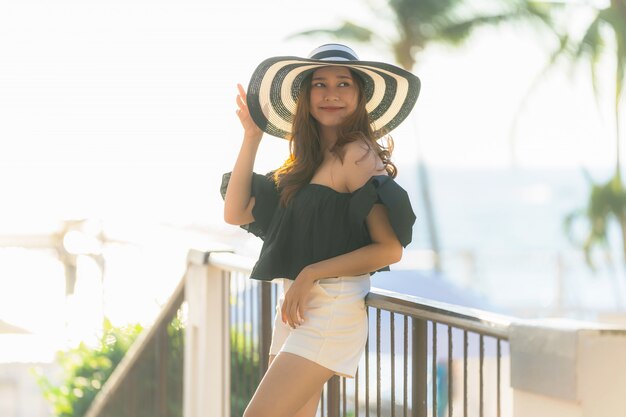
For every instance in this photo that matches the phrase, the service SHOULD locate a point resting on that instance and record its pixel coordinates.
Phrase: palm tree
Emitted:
(415, 24)
(605, 34)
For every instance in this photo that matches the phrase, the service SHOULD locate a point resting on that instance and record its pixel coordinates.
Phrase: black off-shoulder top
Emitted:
(319, 223)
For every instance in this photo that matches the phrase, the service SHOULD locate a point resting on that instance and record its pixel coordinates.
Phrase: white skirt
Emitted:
(335, 325)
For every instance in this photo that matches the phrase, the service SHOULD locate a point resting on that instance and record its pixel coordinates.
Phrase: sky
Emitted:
(153, 83)
(125, 109)
(104, 103)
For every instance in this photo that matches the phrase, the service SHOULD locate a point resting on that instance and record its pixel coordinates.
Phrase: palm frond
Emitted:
(620, 70)
(412, 13)
(614, 18)
(457, 31)
(606, 204)
(591, 46)
(348, 31)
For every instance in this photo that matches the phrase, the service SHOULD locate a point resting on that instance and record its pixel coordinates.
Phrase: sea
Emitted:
(500, 233)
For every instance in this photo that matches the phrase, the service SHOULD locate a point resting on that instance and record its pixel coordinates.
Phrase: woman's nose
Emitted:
(331, 96)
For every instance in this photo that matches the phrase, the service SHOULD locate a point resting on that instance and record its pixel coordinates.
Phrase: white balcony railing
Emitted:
(423, 358)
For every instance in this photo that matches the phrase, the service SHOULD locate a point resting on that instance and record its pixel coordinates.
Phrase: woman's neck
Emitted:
(328, 137)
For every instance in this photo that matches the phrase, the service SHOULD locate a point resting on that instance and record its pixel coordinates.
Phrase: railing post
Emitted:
(162, 348)
(419, 356)
(265, 320)
(333, 392)
(207, 339)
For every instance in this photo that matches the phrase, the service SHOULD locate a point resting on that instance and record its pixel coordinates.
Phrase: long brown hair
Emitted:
(305, 144)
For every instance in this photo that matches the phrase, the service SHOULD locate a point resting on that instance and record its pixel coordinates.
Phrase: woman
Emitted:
(329, 217)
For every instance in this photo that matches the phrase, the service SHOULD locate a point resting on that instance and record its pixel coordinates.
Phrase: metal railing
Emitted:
(429, 346)
(423, 358)
(251, 321)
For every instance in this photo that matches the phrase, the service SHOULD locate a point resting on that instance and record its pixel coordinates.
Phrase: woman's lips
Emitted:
(331, 108)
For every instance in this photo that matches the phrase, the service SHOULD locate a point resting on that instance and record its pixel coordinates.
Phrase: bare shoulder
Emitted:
(361, 162)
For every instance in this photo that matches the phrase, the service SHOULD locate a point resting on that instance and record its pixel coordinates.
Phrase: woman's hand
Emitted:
(250, 128)
(294, 303)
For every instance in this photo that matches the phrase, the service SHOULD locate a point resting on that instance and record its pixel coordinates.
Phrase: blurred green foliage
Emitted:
(245, 371)
(604, 37)
(607, 203)
(153, 385)
(86, 369)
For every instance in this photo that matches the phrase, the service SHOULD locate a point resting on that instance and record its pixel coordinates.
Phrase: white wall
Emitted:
(20, 396)
(568, 369)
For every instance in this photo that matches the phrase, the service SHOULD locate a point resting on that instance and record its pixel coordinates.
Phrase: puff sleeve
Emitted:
(382, 189)
(266, 197)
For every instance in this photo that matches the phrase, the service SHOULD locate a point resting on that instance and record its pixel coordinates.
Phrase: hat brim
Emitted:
(390, 91)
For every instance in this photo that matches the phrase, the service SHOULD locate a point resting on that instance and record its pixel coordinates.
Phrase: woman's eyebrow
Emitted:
(346, 77)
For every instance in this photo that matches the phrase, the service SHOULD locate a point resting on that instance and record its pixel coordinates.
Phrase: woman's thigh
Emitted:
(288, 385)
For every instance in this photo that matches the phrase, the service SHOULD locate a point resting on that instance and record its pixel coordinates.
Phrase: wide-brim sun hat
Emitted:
(390, 91)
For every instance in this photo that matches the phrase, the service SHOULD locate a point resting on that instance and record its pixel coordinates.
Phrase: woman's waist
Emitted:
(362, 281)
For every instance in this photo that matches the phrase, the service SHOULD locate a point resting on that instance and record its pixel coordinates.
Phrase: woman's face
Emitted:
(334, 96)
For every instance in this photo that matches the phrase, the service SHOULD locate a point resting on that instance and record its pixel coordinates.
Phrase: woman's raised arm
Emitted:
(238, 202)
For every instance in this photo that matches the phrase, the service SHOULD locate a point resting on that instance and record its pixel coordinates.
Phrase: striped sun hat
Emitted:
(391, 92)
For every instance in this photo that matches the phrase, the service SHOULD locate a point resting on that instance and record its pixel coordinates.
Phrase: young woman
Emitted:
(329, 217)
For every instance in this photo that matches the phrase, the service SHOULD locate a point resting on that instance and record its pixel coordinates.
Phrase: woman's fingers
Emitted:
(286, 314)
(283, 316)
(242, 92)
(291, 321)
(241, 106)
(300, 313)
(241, 99)
(292, 314)
(240, 103)
(295, 303)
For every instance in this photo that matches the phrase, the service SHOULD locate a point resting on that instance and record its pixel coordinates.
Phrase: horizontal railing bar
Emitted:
(478, 321)
(32, 241)
(135, 352)
(222, 259)
(200, 257)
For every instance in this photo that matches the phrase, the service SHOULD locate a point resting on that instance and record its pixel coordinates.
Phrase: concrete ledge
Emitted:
(543, 358)
(566, 362)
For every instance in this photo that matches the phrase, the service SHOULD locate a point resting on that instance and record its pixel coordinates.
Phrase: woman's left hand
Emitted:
(294, 303)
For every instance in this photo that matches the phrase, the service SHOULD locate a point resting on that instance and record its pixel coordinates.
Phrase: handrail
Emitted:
(479, 321)
(224, 260)
(475, 320)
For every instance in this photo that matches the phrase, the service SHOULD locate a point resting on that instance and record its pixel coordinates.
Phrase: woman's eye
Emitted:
(318, 84)
(344, 84)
